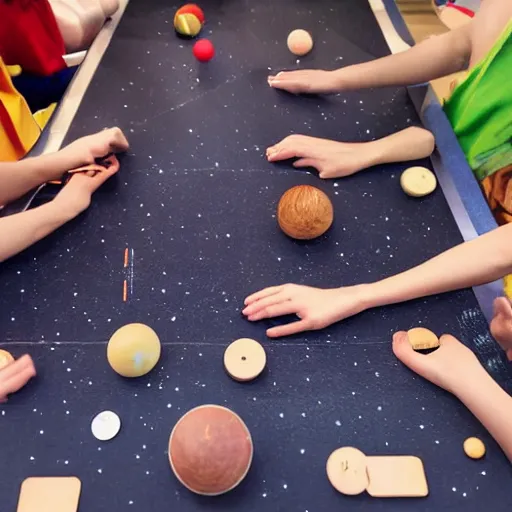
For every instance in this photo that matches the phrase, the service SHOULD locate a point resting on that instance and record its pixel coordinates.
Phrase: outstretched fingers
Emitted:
(288, 329)
(259, 306)
(266, 292)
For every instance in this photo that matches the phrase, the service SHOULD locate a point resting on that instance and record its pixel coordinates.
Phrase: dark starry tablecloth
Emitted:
(194, 204)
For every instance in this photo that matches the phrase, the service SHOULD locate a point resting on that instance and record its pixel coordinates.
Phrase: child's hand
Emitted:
(331, 159)
(315, 307)
(451, 366)
(15, 375)
(85, 150)
(310, 81)
(501, 324)
(75, 196)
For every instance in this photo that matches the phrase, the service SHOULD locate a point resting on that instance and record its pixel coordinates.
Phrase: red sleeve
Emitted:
(30, 36)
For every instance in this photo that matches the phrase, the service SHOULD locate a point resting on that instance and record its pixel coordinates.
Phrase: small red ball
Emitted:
(203, 50)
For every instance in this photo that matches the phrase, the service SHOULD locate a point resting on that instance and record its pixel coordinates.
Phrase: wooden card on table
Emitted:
(396, 477)
(49, 494)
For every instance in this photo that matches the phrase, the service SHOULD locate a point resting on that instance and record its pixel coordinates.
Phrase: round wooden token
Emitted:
(244, 359)
(474, 448)
(346, 470)
(422, 339)
(5, 358)
(418, 181)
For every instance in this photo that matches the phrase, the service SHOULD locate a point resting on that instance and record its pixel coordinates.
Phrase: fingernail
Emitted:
(399, 336)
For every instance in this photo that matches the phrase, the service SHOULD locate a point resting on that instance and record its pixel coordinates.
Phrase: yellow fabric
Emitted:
(43, 116)
(508, 286)
(14, 70)
(18, 129)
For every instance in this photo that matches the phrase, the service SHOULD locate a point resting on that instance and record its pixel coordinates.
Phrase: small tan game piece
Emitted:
(346, 470)
(244, 359)
(422, 339)
(418, 181)
(396, 477)
(5, 358)
(49, 494)
(474, 448)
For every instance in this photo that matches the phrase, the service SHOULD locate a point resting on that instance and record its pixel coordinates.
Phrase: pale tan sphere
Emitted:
(133, 350)
(299, 42)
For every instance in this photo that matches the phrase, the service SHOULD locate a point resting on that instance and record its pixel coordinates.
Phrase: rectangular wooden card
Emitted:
(49, 494)
(396, 477)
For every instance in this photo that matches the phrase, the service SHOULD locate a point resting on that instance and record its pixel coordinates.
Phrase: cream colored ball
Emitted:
(133, 350)
(299, 42)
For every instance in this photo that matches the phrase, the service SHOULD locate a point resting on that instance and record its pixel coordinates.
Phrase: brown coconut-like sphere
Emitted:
(304, 212)
(210, 450)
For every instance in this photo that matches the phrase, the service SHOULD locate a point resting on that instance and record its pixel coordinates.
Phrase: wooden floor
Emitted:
(423, 22)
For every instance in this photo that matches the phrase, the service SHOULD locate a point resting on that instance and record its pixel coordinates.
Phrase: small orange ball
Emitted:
(304, 212)
(210, 450)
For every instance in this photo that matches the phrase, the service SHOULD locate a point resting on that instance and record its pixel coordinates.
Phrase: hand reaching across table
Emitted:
(316, 308)
(334, 159)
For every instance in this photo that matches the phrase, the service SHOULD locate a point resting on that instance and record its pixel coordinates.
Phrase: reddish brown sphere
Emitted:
(210, 450)
(304, 212)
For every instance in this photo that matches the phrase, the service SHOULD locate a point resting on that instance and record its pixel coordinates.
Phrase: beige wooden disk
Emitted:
(396, 477)
(244, 359)
(422, 339)
(346, 470)
(5, 358)
(418, 181)
(474, 448)
(49, 494)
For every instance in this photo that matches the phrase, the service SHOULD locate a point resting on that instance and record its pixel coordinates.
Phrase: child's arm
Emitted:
(479, 261)
(433, 58)
(19, 231)
(334, 159)
(485, 259)
(17, 178)
(455, 368)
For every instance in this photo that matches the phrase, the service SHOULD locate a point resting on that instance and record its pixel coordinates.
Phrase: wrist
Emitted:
(338, 79)
(367, 296)
(52, 166)
(478, 384)
(374, 152)
(363, 295)
(63, 210)
(70, 157)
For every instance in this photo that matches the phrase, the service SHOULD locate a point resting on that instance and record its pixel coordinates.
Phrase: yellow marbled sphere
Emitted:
(187, 24)
(133, 350)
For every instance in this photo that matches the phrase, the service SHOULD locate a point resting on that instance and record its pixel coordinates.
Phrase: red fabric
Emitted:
(465, 10)
(30, 36)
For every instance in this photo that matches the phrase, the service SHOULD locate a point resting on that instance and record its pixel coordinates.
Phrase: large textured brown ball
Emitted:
(304, 212)
(210, 450)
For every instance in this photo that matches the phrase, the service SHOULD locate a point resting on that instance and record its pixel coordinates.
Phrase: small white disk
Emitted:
(418, 181)
(106, 425)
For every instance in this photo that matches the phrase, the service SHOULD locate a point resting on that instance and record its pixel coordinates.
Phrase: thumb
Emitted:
(403, 350)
